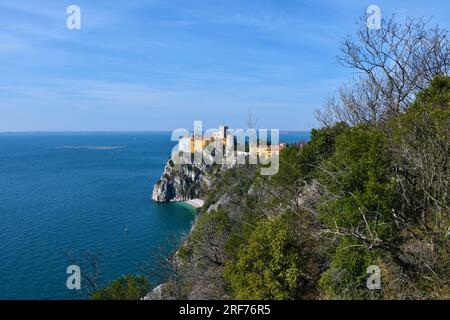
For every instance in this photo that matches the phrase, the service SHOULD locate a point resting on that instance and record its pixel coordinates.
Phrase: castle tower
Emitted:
(223, 132)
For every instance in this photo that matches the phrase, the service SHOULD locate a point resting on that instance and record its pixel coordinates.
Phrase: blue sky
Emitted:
(160, 65)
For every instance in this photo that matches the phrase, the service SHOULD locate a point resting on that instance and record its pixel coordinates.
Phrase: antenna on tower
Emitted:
(251, 123)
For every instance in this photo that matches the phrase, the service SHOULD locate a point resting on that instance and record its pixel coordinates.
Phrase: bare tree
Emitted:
(391, 66)
(90, 265)
(358, 101)
(162, 270)
(251, 122)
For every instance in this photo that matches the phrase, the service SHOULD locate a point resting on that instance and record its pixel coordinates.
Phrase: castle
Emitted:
(197, 143)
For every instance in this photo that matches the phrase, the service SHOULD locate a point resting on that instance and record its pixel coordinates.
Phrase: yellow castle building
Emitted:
(267, 151)
(195, 144)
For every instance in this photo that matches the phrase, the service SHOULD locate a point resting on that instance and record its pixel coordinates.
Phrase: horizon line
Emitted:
(116, 131)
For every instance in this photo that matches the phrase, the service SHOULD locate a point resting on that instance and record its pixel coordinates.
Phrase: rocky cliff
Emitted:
(217, 185)
(183, 182)
(198, 264)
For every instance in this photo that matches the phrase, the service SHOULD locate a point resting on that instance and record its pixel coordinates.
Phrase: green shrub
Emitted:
(268, 267)
(128, 287)
(346, 277)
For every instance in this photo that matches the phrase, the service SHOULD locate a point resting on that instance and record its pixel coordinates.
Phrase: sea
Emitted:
(68, 196)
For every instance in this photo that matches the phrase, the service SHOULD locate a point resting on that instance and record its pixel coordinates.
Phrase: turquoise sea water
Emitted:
(62, 194)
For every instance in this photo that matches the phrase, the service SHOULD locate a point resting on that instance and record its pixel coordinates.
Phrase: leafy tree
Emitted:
(358, 175)
(360, 208)
(347, 275)
(269, 266)
(296, 163)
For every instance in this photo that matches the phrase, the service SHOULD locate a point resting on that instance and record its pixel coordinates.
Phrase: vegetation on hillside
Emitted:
(128, 287)
(371, 188)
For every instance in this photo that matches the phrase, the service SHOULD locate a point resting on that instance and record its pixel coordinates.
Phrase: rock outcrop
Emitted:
(183, 182)
(222, 202)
